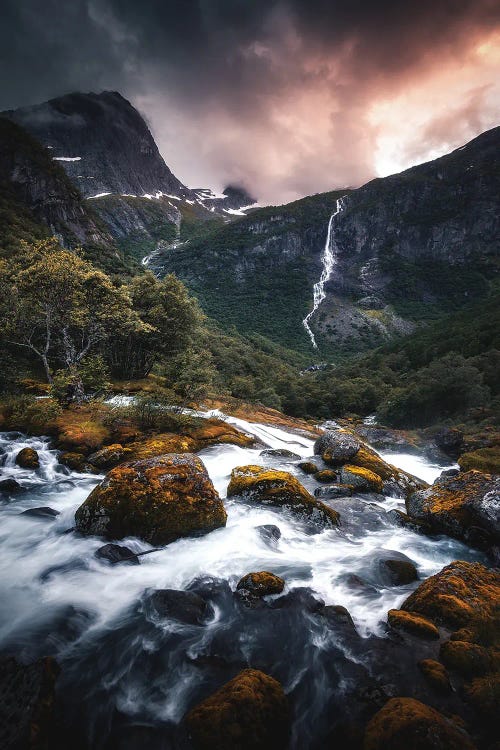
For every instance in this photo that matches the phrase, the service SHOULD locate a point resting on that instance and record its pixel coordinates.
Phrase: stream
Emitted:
(122, 665)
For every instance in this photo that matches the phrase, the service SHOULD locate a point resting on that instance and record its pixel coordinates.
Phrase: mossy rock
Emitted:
(361, 479)
(413, 624)
(160, 445)
(468, 659)
(408, 723)
(336, 447)
(483, 694)
(248, 713)
(27, 458)
(461, 595)
(280, 489)
(326, 476)
(436, 675)
(461, 506)
(109, 456)
(75, 461)
(484, 459)
(158, 500)
(366, 458)
(308, 467)
(261, 584)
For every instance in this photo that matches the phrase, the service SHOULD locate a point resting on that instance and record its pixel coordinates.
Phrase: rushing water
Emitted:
(121, 660)
(328, 260)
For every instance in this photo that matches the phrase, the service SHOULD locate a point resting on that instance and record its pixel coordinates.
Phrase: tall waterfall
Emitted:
(328, 260)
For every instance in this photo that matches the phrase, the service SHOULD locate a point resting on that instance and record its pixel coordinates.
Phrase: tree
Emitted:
(60, 308)
(172, 318)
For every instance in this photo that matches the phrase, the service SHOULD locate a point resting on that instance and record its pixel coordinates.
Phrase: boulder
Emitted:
(27, 703)
(336, 447)
(461, 595)
(308, 467)
(362, 480)
(158, 500)
(450, 441)
(43, 512)
(261, 584)
(467, 659)
(405, 521)
(466, 507)
(109, 456)
(27, 458)
(436, 675)
(248, 713)
(10, 487)
(398, 572)
(182, 606)
(75, 461)
(413, 624)
(407, 723)
(281, 489)
(114, 553)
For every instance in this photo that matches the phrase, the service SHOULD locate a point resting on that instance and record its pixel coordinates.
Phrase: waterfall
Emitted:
(328, 260)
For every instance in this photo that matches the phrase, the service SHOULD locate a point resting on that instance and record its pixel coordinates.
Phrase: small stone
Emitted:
(183, 606)
(400, 572)
(269, 533)
(114, 553)
(28, 458)
(308, 467)
(44, 512)
(280, 453)
(261, 584)
(326, 475)
(10, 487)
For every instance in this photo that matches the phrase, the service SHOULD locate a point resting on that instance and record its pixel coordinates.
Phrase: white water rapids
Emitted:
(58, 598)
(328, 260)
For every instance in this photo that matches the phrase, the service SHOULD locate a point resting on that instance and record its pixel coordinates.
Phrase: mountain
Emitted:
(406, 249)
(37, 199)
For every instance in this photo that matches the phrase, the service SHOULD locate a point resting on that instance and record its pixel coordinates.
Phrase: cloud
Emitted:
(285, 96)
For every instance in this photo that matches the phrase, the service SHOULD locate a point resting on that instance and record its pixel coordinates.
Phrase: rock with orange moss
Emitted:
(336, 447)
(361, 479)
(160, 445)
(248, 713)
(461, 595)
(435, 674)
(261, 584)
(27, 458)
(216, 432)
(159, 500)
(75, 461)
(109, 456)
(326, 475)
(281, 489)
(466, 506)
(308, 467)
(483, 694)
(468, 659)
(405, 722)
(413, 624)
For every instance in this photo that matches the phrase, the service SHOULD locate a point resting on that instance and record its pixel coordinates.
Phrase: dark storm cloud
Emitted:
(288, 96)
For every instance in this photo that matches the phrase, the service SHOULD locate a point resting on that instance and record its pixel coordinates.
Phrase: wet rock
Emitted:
(326, 475)
(109, 456)
(269, 533)
(182, 606)
(468, 659)
(483, 694)
(466, 507)
(399, 518)
(338, 616)
(248, 713)
(27, 703)
(75, 461)
(336, 447)
(334, 490)
(281, 489)
(158, 500)
(450, 441)
(436, 675)
(405, 722)
(114, 553)
(398, 572)
(44, 512)
(461, 595)
(261, 584)
(10, 487)
(361, 479)
(28, 458)
(280, 453)
(449, 473)
(413, 624)
(308, 467)
(302, 599)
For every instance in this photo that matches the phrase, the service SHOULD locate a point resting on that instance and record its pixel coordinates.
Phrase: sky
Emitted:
(284, 97)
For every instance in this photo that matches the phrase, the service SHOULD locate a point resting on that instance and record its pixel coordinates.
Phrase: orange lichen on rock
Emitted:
(326, 475)
(361, 479)
(159, 500)
(248, 713)
(262, 583)
(405, 722)
(414, 624)
(279, 488)
(460, 595)
(435, 674)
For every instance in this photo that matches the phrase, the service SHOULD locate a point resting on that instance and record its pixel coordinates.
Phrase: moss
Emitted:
(261, 584)
(405, 722)
(413, 624)
(247, 713)
(484, 459)
(279, 488)
(158, 500)
(435, 674)
(360, 478)
(326, 475)
(368, 459)
(468, 659)
(79, 430)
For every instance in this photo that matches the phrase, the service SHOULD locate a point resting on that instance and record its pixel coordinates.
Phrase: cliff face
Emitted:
(407, 248)
(101, 141)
